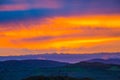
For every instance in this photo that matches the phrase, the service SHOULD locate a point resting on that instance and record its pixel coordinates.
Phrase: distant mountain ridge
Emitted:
(69, 58)
(106, 61)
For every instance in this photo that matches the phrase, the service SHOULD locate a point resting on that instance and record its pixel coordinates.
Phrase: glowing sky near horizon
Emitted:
(62, 26)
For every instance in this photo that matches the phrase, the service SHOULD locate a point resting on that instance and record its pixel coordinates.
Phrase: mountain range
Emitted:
(105, 61)
(69, 58)
(21, 69)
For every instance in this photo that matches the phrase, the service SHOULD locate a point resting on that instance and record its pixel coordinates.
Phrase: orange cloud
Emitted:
(92, 33)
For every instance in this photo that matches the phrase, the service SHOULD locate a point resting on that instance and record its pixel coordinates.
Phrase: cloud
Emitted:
(65, 6)
(15, 5)
(20, 10)
(37, 39)
(15, 51)
(49, 25)
(70, 32)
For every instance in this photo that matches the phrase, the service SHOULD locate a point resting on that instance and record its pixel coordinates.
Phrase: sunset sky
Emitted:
(61, 26)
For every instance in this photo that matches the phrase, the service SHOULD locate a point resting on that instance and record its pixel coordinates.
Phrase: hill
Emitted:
(106, 61)
(55, 78)
(16, 64)
(21, 69)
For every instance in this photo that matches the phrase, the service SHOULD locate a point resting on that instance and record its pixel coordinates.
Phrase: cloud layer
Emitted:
(71, 34)
(68, 26)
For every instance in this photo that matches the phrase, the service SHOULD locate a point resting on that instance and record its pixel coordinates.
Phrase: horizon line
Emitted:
(63, 54)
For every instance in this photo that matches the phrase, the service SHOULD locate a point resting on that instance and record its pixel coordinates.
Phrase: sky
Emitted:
(59, 26)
